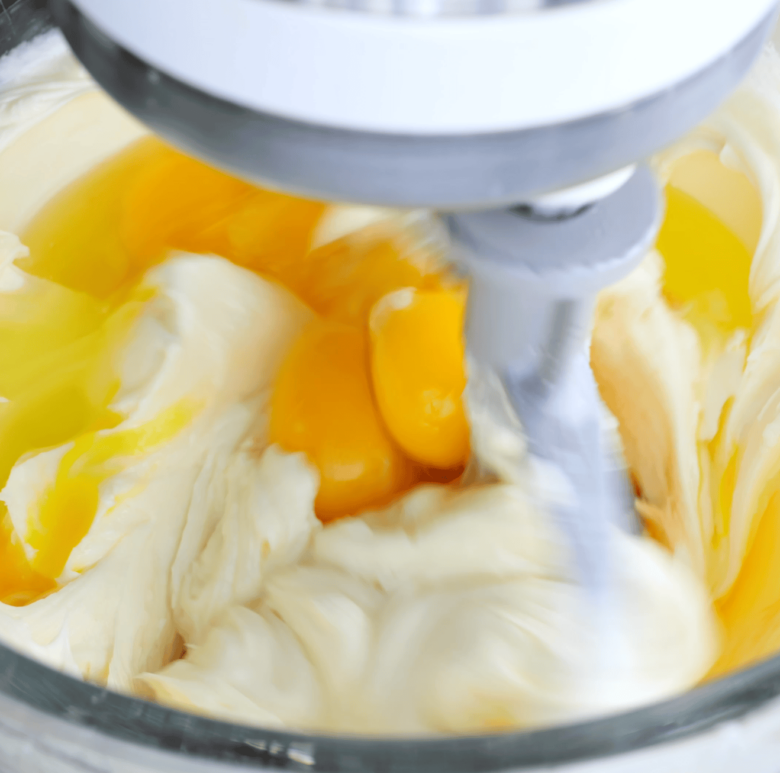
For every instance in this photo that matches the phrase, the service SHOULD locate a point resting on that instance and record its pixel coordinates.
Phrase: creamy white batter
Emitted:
(454, 609)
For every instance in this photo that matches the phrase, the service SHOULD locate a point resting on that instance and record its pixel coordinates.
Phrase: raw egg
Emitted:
(323, 405)
(417, 363)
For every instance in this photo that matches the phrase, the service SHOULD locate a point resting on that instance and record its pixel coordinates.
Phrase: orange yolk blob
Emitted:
(417, 362)
(130, 212)
(323, 405)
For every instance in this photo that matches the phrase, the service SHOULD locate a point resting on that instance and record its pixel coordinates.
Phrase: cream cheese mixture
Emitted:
(205, 580)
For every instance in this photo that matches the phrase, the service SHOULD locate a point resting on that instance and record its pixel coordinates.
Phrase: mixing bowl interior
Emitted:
(29, 689)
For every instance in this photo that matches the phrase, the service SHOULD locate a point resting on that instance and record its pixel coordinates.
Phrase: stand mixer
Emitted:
(427, 105)
(468, 107)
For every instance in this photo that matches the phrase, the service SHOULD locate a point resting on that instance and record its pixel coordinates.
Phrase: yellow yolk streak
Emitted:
(750, 612)
(58, 377)
(38, 322)
(67, 508)
(56, 394)
(707, 268)
(722, 190)
(19, 583)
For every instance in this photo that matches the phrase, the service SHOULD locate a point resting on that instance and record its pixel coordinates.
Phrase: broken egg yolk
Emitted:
(19, 582)
(417, 363)
(323, 405)
(707, 267)
(69, 506)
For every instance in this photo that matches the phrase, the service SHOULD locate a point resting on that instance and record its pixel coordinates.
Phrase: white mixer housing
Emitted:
(420, 75)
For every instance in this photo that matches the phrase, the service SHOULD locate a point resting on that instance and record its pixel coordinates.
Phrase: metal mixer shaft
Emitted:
(534, 282)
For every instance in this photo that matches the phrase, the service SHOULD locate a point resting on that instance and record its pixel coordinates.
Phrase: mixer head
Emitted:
(446, 104)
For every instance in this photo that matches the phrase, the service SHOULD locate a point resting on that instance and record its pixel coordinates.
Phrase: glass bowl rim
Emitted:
(137, 721)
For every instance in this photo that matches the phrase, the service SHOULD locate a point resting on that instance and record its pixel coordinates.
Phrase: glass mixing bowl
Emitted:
(50, 722)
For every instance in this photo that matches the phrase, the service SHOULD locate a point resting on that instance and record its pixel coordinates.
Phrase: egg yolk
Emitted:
(19, 582)
(707, 268)
(371, 391)
(323, 405)
(751, 610)
(417, 363)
